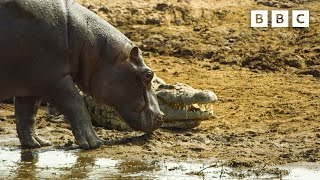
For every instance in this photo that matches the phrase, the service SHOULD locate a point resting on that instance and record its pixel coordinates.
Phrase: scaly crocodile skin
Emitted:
(106, 116)
(184, 107)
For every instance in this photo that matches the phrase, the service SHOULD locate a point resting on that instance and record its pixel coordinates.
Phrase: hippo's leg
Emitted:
(25, 110)
(70, 103)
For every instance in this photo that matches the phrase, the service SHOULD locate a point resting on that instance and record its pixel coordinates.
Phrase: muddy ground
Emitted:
(267, 81)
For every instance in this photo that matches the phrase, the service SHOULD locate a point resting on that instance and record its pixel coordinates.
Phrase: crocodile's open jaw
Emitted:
(186, 112)
(180, 101)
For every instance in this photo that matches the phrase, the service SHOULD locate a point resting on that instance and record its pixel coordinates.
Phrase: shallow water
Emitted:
(308, 171)
(60, 164)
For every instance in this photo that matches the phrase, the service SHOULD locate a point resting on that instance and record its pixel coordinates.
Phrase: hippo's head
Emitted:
(125, 84)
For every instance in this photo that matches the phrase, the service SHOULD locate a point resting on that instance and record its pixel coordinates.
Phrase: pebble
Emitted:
(226, 48)
(232, 40)
(3, 118)
(103, 9)
(162, 6)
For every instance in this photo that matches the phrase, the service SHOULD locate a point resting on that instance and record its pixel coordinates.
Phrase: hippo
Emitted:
(49, 49)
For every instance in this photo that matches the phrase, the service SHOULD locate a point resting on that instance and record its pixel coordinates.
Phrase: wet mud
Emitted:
(77, 164)
(267, 121)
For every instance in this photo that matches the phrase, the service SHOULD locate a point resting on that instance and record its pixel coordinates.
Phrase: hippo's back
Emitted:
(33, 40)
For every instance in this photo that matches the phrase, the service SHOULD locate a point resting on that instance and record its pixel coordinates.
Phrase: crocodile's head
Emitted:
(182, 102)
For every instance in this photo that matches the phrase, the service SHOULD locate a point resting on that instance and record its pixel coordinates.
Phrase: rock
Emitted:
(266, 3)
(103, 9)
(3, 118)
(286, 5)
(216, 67)
(316, 49)
(197, 149)
(297, 62)
(229, 61)
(226, 48)
(313, 19)
(232, 40)
(135, 11)
(183, 53)
(197, 28)
(313, 72)
(153, 20)
(162, 6)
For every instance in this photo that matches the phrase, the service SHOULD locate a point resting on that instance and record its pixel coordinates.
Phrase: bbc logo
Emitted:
(280, 18)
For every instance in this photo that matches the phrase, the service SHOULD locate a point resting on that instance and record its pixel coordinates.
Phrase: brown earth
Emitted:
(267, 81)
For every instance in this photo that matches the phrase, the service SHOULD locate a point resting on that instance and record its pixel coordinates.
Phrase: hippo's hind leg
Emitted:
(25, 110)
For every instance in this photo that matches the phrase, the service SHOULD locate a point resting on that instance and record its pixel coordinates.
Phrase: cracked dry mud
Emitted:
(267, 81)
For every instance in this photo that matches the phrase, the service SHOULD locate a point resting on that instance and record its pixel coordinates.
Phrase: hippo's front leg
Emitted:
(25, 110)
(68, 101)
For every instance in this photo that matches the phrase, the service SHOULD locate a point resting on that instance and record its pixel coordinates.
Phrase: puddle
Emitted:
(60, 164)
(308, 171)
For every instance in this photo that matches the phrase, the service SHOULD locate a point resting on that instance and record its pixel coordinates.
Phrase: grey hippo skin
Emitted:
(47, 47)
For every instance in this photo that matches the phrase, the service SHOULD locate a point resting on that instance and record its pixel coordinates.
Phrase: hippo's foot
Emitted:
(34, 141)
(86, 137)
(89, 142)
(25, 110)
(69, 102)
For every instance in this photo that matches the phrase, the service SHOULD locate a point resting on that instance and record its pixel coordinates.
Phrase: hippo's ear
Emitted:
(134, 54)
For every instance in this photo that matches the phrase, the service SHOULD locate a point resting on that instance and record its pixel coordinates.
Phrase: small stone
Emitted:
(197, 149)
(162, 6)
(226, 48)
(312, 19)
(232, 40)
(153, 20)
(286, 5)
(197, 29)
(103, 9)
(3, 118)
(313, 72)
(216, 67)
(134, 11)
(68, 144)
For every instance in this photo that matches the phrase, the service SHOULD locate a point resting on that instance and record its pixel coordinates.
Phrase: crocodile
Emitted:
(183, 106)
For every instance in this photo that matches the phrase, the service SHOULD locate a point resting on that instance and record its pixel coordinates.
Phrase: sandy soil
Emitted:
(267, 81)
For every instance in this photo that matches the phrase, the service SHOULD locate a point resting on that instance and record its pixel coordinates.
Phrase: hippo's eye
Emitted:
(148, 76)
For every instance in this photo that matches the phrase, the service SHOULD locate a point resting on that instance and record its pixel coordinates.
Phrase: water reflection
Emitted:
(60, 164)
(27, 165)
(133, 167)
